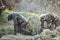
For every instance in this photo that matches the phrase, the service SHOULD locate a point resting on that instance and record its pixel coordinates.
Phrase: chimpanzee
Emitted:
(20, 22)
(49, 19)
(57, 20)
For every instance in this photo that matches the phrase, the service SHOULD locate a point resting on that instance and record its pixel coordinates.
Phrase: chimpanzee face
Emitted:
(9, 17)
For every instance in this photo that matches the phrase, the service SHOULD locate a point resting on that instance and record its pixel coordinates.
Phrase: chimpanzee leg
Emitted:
(25, 32)
(41, 29)
(49, 25)
(42, 24)
(15, 30)
(22, 29)
(19, 29)
(56, 26)
(52, 26)
(21, 26)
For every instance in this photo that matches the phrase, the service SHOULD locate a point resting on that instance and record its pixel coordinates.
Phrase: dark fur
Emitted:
(57, 21)
(49, 19)
(19, 22)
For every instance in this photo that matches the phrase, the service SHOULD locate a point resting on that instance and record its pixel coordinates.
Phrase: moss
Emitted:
(4, 31)
(3, 18)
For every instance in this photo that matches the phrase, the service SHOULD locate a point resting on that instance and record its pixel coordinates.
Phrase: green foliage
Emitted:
(3, 18)
(28, 14)
(4, 31)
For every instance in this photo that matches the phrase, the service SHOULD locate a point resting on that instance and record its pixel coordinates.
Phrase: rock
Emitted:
(19, 37)
(56, 32)
(56, 38)
(46, 35)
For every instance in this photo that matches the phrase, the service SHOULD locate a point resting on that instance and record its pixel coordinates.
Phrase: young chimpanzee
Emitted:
(49, 19)
(20, 22)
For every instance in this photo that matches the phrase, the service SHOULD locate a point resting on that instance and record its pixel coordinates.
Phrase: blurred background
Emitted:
(31, 10)
(38, 6)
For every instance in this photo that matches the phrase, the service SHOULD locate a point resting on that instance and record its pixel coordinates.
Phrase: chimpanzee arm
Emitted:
(24, 30)
(42, 22)
(15, 25)
(23, 21)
